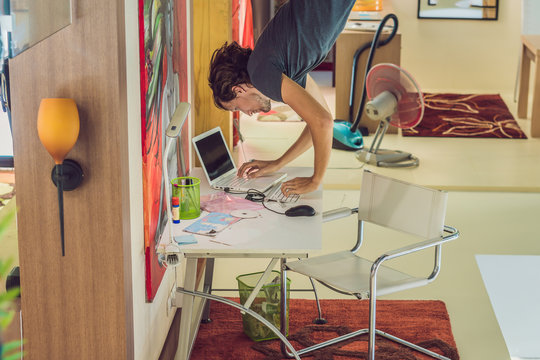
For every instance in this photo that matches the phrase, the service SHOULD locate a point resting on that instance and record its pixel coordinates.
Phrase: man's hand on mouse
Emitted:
(256, 168)
(299, 185)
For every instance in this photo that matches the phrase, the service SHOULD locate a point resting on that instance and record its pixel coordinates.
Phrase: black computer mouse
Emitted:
(300, 210)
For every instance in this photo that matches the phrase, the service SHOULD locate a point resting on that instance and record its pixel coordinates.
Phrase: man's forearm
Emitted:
(318, 130)
(322, 145)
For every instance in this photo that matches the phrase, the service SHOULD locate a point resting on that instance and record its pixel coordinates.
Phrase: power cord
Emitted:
(257, 196)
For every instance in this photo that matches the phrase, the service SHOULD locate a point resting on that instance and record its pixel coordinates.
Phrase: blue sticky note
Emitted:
(185, 239)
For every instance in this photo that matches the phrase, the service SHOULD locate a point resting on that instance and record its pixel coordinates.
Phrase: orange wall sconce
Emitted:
(58, 130)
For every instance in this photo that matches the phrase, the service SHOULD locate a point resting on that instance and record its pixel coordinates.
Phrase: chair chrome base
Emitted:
(268, 324)
(366, 331)
(296, 354)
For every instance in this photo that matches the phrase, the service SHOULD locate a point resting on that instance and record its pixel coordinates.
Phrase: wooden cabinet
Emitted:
(212, 27)
(346, 45)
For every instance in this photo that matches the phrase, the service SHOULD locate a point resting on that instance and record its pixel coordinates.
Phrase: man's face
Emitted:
(248, 100)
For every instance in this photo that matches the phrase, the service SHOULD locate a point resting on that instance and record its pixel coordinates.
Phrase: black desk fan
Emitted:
(394, 99)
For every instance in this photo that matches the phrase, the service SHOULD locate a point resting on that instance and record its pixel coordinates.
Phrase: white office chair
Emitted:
(395, 205)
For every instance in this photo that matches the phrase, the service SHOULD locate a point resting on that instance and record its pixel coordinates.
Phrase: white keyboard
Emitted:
(275, 194)
(239, 182)
(234, 182)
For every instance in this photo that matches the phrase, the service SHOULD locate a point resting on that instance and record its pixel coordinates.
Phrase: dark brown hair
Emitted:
(228, 68)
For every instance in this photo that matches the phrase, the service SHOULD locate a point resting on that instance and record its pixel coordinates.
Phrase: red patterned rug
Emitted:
(424, 322)
(466, 115)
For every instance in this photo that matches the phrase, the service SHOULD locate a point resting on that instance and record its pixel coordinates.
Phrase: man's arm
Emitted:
(311, 106)
(318, 131)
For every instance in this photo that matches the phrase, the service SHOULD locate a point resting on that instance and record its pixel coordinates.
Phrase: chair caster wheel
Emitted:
(320, 321)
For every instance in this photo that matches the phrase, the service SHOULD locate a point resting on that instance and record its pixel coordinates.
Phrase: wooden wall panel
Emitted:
(78, 306)
(212, 26)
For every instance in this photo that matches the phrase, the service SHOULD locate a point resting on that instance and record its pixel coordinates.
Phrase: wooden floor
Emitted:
(461, 164)
(494, 200)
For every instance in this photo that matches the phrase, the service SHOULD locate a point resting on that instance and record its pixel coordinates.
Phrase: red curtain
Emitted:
(242, 32)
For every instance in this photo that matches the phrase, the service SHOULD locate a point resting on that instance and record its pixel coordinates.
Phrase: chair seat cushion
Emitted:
(348, 272)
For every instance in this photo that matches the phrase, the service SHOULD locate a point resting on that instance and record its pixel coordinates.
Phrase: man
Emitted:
(293, 43)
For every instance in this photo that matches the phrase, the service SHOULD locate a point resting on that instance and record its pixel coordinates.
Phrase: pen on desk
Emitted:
(219, 242)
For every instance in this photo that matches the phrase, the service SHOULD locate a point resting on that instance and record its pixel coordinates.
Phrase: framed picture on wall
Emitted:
(164, 34)
(458, 9)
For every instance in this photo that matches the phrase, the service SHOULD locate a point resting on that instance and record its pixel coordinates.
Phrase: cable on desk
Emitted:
(258, 196)
(255, 196)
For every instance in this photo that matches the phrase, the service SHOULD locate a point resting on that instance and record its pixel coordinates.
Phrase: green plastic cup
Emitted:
(188, 191)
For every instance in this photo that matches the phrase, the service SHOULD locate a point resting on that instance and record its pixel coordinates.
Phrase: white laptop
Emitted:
(219, 167)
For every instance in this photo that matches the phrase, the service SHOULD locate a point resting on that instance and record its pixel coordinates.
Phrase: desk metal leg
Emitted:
(260, 283)
(184, 346)
(208, 277)
(283, 301)
(535, 116)
(524, 82)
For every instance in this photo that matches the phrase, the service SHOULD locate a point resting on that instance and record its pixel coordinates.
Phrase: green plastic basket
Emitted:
(187, 190)
(266, 303)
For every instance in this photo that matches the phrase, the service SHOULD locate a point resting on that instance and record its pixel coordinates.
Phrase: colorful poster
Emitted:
(164, 68)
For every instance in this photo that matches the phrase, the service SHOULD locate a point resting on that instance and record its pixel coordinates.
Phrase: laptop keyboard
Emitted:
(275, 194)
(238, 182)
(235, 182)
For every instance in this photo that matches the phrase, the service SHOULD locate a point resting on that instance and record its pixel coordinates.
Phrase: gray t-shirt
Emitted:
(296, 41)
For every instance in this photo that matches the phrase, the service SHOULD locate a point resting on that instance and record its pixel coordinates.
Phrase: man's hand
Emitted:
(299, 185)
(256, 168)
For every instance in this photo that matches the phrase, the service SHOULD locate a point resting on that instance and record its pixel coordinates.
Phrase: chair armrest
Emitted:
(453, 234)
(339, 213)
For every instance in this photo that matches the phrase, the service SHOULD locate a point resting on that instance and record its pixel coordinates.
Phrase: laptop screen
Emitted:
(214, 155)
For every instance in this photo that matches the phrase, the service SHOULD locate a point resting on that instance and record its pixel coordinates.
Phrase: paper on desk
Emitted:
(225, 203)
(211, 224)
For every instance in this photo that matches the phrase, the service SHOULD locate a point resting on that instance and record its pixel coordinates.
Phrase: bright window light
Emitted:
(6, 142)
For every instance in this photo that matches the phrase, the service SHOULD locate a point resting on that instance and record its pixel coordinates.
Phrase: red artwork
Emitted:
(163, 44)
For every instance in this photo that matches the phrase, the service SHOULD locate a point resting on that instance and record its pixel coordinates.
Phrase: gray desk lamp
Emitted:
(172, 250)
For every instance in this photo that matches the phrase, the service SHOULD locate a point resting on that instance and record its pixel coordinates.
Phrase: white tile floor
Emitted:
(497, 216)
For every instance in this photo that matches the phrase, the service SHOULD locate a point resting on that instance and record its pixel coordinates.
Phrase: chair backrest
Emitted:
(402, 206)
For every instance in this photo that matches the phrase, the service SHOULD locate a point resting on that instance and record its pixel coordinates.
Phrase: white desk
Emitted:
(512, 285)
(269, 236)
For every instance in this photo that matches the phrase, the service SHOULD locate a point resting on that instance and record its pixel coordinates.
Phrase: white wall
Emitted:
(461, 55)
(150, 320)
(531, 15)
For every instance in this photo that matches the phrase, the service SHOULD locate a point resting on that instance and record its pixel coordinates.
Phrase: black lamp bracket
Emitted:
(73, 175)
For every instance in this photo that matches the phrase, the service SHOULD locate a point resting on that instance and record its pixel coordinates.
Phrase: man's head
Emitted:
(230, 82)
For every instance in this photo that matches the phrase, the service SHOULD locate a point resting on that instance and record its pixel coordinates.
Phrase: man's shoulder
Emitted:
(265, 75)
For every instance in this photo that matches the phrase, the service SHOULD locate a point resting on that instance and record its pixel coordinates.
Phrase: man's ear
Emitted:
(239, 89)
